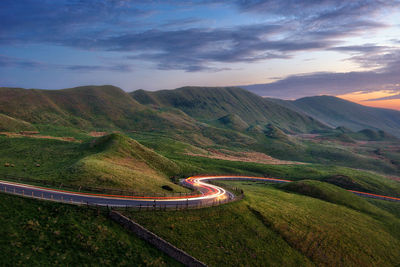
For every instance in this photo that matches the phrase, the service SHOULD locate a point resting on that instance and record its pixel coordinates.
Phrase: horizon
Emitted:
(361, 101)
(281, 49)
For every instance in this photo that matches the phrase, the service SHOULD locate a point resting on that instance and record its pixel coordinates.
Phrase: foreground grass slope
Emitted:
(36, 233)
(275, 228)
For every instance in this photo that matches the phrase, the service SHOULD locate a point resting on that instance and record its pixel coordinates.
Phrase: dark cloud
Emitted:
(385, 98)
(366, 48)
(109, 25)
(26, 21)
(296, 86)
(181, 23)
(37, 65)
(116, 25)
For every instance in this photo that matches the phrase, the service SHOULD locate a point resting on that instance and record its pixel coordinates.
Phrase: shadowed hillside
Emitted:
(209, 104)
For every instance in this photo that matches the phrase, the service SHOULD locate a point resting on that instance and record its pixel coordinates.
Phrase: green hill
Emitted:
(338, 112)
(43, 233)
(118, 161)
(208, 104)
(278, 228)
(113, 161)
(86, 107)
(233, 121)
(331, 193)
(9, 124)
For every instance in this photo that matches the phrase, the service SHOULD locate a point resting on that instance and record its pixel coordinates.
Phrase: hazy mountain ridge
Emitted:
(337, 112)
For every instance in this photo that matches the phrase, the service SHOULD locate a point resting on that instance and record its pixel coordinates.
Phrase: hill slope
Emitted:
(210, 104)
(338, 112)
(42, 233)
(10, 124)
(119, 161)
(86, 107)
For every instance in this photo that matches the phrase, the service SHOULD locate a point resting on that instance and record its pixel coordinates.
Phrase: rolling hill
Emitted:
(336, 112)
(229, 106)
(86, 107)
(118, 161)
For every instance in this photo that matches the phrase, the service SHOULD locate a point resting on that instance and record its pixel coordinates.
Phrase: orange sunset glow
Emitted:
(363, 97)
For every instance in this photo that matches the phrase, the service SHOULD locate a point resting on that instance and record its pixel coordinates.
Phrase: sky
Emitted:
(276, 48)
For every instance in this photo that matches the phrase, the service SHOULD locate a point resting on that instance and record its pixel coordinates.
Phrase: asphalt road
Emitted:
(209, 194)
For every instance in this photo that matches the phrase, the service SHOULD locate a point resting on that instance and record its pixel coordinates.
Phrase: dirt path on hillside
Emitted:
(256, 157)
(64, 138)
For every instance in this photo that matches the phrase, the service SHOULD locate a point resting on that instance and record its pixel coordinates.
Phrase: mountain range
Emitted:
(110, 107)
(208, 117)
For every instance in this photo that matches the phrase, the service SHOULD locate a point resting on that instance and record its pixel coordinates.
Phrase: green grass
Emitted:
(36, 233)
(276, 228)
(112, 161)
(9, 124)
(333, 194)
(118, 161)
(53, 156)
(62, 131)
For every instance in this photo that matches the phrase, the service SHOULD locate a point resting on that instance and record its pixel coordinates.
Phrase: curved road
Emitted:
(209, 194)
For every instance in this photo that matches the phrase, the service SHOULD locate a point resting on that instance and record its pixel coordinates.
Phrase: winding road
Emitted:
(208, 194)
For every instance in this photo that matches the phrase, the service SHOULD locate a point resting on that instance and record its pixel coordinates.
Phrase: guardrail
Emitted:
(83, 200)
(90, 189)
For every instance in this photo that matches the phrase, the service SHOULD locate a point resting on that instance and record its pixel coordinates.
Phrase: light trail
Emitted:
(210, 194)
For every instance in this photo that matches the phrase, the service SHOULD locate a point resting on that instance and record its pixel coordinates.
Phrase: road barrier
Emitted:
(153, 205)
(91, 189)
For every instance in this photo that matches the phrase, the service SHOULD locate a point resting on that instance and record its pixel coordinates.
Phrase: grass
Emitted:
(112, 161)
(35, 233)
(122, 162)
(53, 156)
(11, 124)
(333, 194)
(276, 228)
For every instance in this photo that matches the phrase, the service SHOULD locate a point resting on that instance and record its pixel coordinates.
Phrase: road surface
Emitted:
(207, 194)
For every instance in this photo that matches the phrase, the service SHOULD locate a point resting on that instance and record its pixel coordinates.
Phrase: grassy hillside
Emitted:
(113, 161)
(209, 104)
(99, 106)
(338, 112)
(38, 233)
(350, 178)
(209, 118)
(276, 228)
(118, 161)
(86, 107)
(9, 124)
(331, 193)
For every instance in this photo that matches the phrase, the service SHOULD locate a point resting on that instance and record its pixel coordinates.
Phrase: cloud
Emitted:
(296, 86)
(181, 22)
(37, 65)
(365, 48)
(187, 44)
(397, 96)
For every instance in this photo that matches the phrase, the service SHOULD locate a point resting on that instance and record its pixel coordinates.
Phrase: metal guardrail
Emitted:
(90, 189)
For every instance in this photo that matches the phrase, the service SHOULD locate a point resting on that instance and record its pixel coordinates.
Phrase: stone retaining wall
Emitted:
(155, 240)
